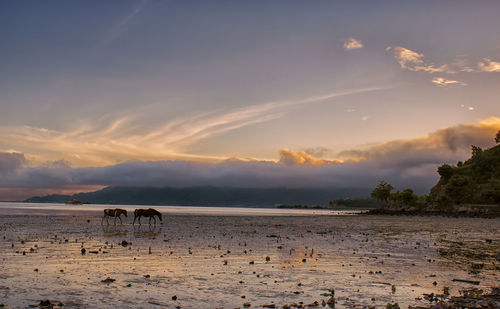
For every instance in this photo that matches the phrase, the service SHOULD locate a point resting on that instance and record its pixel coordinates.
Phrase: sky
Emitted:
(244, 94)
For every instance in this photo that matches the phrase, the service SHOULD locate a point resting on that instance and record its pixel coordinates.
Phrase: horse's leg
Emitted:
(115, 221)
(120, 217)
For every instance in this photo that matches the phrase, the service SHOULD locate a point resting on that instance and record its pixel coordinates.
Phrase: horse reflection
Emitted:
(110, 231)
(147, 232)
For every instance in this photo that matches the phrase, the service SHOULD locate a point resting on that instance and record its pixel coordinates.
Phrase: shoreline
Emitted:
(433, 213)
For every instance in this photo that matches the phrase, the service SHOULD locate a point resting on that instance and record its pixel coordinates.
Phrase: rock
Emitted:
(45, 304)
(124, 243)
(108, 280)
(83, 251)
(174, 297)
(268, 258)
(246, 305)
(147, 276)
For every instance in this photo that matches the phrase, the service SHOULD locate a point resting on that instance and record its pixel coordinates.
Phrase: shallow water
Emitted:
(205, 260)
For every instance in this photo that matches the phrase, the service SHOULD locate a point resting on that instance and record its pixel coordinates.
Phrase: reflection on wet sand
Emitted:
(146, 231)
(113, 231)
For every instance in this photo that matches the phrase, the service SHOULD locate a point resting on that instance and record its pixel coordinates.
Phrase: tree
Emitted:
(497, 137)
(445, 171)
(476, 151)
(382, 191)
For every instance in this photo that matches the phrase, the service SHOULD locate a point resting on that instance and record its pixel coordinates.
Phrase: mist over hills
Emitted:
(206, 196)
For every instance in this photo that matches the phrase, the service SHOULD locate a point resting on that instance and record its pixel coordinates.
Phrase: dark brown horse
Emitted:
(150, 212)
(117, 212)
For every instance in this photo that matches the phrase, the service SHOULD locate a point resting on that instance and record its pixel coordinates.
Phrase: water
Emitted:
(56, 208)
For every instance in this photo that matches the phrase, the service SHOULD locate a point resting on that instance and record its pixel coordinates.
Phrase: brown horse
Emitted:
(117, 212)
(150, 212)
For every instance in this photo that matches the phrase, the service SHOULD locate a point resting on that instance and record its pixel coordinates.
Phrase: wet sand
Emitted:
(209, 261)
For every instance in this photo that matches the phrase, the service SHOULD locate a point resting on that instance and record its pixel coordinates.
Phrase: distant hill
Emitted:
(475, 181)
(205, 196)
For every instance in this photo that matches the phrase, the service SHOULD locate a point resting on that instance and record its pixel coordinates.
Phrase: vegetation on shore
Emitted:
(469, 188)
(346, 203)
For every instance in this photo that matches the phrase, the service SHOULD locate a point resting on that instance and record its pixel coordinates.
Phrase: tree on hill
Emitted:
(475, 181)
(382, 192)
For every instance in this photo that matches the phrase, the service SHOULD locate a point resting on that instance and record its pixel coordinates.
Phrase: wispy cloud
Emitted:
(441, 81)
(119, 27)
(109, 140)
(488, 65)
(352, 43)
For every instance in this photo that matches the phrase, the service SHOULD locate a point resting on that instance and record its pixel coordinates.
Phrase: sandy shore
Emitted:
(200, 261)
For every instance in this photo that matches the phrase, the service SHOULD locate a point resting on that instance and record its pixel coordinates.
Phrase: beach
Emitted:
(227, 258)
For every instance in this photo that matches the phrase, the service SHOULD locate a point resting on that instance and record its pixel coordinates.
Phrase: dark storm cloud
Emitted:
(405, 163)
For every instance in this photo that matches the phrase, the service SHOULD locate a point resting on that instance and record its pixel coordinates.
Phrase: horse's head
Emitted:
(159, 216)
(125, 213)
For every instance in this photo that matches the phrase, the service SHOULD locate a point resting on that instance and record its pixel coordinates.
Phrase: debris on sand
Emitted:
(470, 298)
(47, 304)
(124, 243)
(466, 281)
(108, 280)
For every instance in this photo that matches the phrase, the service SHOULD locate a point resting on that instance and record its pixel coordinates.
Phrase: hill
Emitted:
(475, 181)
(205, 196)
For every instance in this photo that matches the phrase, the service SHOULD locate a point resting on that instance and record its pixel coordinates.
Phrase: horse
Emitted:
(117, 212)
(150, 212)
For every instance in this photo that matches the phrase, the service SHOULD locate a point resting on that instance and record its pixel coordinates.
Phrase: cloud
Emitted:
(11, 161)
(110, 140)
(445, 145)
(441, 81)
(404, 163)
(488, 65)
(352, 43)
(414, 61)
(289, 157)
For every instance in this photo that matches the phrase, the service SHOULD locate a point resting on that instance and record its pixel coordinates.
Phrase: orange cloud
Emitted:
(352, 43)
(488, 65)
(290, 157)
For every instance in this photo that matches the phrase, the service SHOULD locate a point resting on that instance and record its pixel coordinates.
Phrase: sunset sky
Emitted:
(251, 94)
